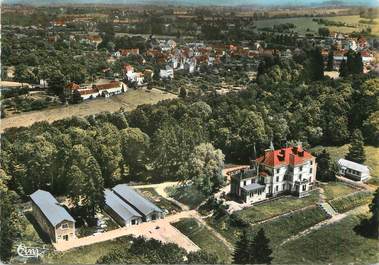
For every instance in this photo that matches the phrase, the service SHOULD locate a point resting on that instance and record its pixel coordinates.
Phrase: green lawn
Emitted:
(85, 255)
(276, 207)
(371, 152)
(336, 243)
(204, 238)
(163, 203)
(278, 229)
(336, 189)
(349, 202)
(187, 195)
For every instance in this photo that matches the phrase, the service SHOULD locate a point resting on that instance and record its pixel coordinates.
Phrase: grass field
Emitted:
(336, 243)
(278, 229)
(204, 238)
(276, 207)
(164, 204)
(336, 189)
(85, 255)
(187, 195)
(128, 101)
(349, 202)
(305, 23)
(371, 152)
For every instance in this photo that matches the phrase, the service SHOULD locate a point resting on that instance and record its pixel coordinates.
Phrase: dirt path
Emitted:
(128, 101)
(200, 219)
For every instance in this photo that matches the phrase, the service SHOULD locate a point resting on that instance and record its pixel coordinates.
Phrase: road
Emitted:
(128, 101)
(159, 229)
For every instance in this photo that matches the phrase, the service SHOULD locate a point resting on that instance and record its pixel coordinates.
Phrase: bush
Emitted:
(349, 202)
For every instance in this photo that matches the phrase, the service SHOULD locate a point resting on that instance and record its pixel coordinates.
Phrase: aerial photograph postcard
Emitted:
(189, 132)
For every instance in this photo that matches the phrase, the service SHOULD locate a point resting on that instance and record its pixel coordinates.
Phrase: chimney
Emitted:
(292, 159)
(294, 149)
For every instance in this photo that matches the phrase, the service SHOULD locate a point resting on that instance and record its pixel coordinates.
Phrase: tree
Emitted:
(183, 92)
(356, 149)
(371, 128)
(202, 257)
(135, 146)
(86, 182)
(57, 82)
(144, 251)
(344, 72)
(324, 32)
(8, 218)
(204, 168)
(260, 251)
(316, 65)
(330, 63)
(241, 253)
(325, 169)
(374, 220)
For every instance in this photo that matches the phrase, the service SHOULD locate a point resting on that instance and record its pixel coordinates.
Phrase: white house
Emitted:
(167, 73)
(353, 170)
(112, 88)
(290, 170)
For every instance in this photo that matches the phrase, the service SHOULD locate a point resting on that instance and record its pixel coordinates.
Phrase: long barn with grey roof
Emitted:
(120, 211)
(148, 210)
(54, 220)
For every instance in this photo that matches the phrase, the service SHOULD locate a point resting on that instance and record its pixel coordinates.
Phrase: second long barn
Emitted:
(128, 207)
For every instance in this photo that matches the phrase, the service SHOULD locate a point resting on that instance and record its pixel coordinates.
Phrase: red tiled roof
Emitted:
(290, 155)
(112, 84)
(87, 91)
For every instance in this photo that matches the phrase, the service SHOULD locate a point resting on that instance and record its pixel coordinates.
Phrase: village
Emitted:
(189, 135)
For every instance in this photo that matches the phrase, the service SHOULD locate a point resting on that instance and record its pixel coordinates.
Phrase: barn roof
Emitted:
(50, 207)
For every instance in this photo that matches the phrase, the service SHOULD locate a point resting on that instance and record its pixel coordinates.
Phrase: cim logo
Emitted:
(30, 252)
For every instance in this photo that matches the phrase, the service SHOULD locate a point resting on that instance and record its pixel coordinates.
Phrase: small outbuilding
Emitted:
(353, 170)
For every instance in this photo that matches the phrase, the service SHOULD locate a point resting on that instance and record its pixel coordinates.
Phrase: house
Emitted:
(144, 207)
(54, 220)
(167, 73)
(88, 93)
(289, 170)
(110, 89)
(120, 211)
(353, 170)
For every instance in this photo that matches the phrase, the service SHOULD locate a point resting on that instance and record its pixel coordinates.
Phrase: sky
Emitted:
(204, 2)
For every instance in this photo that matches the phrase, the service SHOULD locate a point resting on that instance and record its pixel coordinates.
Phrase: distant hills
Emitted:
(204, 2)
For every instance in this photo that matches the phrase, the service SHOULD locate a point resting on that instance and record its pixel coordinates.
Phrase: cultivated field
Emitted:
(128, 101)
(304, 23)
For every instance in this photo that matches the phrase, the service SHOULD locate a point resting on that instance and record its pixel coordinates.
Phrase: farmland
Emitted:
(305, 23)
(128, 101)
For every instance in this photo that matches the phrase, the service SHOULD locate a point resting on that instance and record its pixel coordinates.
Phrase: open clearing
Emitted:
(204, 238)
(371, 152)
(304, 23)
(336, 243)
(276, 207)
(337, 189)
(128, 101)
